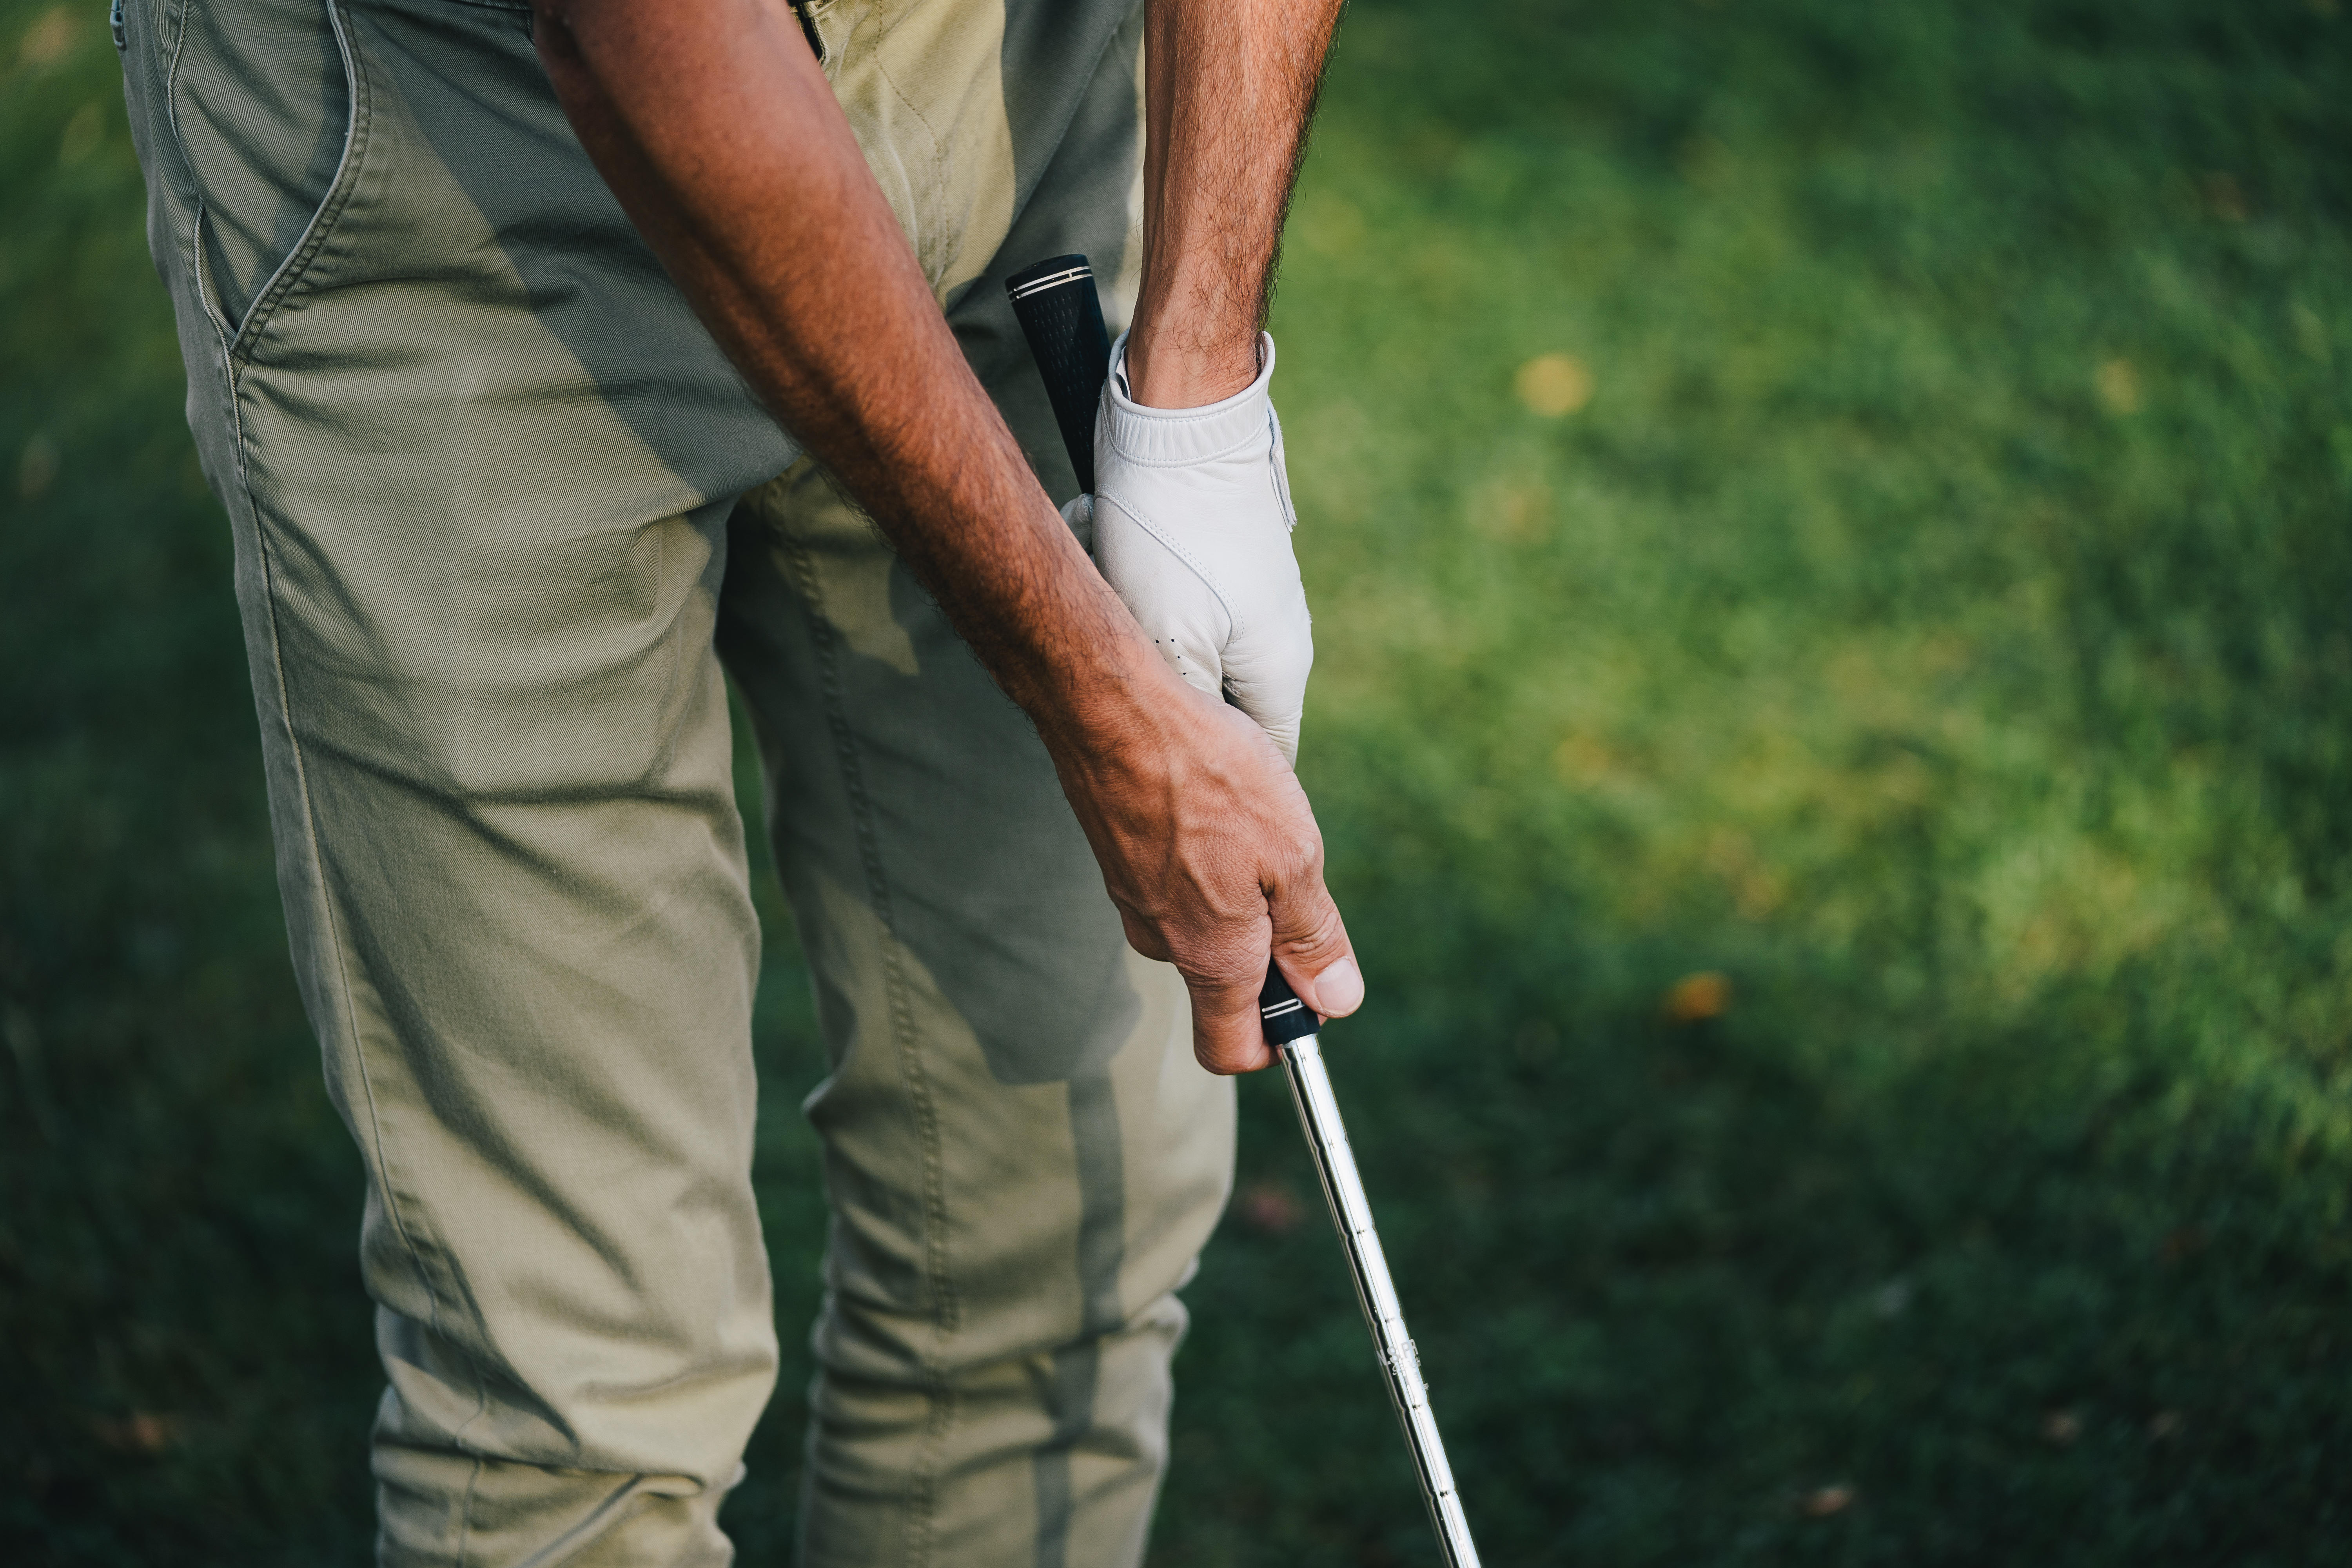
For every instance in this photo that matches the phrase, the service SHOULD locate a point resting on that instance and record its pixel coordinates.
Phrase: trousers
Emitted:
(505, 521)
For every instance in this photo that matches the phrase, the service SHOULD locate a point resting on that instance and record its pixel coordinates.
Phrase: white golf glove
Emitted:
(1191, 526)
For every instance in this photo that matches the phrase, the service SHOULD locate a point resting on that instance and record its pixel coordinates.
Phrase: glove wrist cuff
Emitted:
(1159, 437)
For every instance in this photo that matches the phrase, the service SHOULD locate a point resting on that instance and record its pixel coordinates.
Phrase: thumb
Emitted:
(1267, 678)
(1311, 946)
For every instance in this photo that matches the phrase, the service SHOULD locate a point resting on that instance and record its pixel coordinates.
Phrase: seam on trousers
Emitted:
(285, 714)
(199, 277)
(466, 1508)
(935, 179)
(342, 963)
(946, 1311)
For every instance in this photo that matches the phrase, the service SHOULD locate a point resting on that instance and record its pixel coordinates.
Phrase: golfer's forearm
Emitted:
(719, 134)
(1228, 91)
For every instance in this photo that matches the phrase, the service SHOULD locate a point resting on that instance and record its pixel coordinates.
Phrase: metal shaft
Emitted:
(1055, 303)
(1343, 1189)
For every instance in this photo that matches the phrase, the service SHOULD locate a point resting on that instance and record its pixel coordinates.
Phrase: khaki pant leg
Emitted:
(477, 455)
(1022, 1156)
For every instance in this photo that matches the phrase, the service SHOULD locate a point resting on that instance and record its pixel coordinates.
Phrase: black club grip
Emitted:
(1061, 316)
(1286, 1017)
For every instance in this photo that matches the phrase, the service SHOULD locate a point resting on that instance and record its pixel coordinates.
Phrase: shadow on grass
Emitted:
(1909, 590)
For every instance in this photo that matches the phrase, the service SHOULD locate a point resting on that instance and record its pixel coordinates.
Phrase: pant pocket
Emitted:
(268, 106)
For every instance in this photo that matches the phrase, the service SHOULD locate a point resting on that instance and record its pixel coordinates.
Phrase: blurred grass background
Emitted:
(1830, 528)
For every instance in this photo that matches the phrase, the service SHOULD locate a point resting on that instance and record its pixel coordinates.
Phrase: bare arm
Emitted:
(1228, 91)
(714, 126)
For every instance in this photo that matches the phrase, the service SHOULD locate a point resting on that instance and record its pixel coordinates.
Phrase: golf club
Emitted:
(1061, 316)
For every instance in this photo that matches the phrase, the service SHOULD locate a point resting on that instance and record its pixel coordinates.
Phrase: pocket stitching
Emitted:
(196, 268)
(297, 264)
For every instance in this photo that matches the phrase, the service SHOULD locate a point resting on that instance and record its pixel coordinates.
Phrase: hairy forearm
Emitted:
(714, 126)
(1229, 89)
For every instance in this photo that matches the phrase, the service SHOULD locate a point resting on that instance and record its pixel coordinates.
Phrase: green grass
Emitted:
(1935, 623)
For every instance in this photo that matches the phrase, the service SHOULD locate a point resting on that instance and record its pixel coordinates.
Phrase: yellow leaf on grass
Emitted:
(48, 39)
(1553, 384)
(1694, 996)
(1826, 1500)
(2119, 386)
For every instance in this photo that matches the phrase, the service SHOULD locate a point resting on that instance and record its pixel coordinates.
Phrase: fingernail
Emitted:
(1339, 990)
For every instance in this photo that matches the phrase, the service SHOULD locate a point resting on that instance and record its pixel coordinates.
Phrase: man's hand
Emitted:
(1191, 520)
(1211, 852)
(720, 136)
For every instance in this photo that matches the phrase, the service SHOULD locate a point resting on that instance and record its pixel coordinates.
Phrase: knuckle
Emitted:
(1228, 1059)
(1325, 933)
(1309, 851)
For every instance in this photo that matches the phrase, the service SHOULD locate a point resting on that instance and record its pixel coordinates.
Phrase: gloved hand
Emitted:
(1191, 526)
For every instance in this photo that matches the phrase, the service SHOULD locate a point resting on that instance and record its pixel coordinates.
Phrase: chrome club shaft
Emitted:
(1061, 318)
(1343, 1190)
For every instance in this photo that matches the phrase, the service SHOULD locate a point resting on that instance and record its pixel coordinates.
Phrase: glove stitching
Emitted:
(1176, 549)
(1125, 455)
